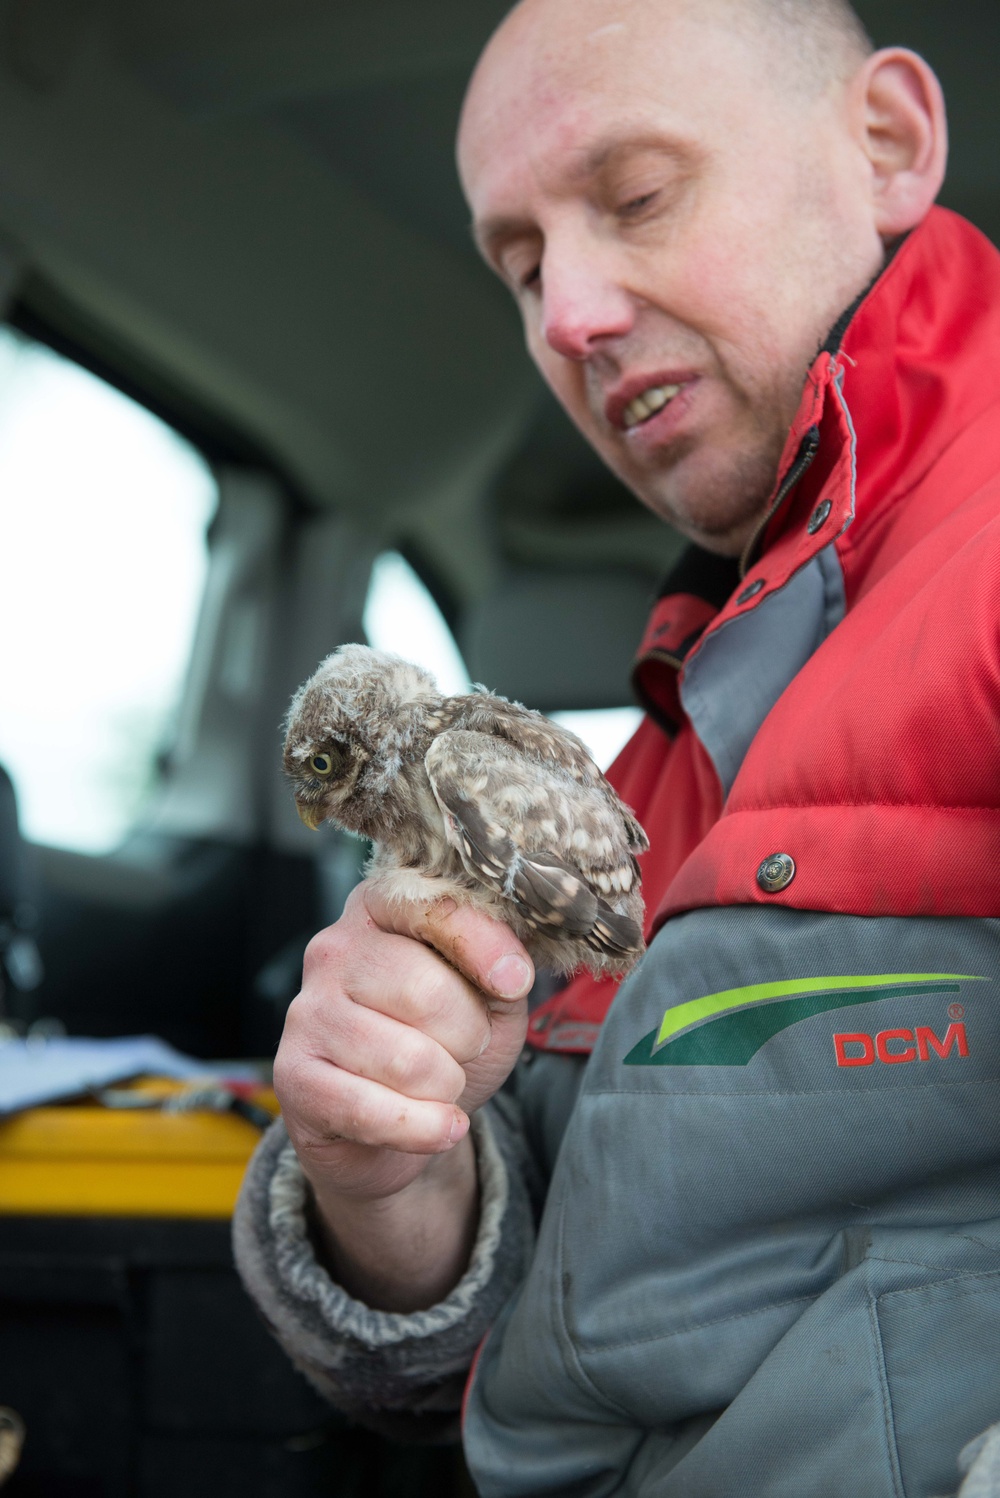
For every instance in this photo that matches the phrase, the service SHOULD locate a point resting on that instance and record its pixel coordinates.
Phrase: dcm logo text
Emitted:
(895, 1046)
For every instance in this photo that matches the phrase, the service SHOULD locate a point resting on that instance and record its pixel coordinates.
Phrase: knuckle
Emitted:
(288, 1061)
(311, 1027)
(421, 1069)
(341, 956)
(298, 1020)
(325, 948)
(428, 991)
(290, 1079)
(404, 1066)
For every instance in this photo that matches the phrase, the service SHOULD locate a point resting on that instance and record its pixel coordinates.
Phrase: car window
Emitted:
(401, 616)
(103, 518)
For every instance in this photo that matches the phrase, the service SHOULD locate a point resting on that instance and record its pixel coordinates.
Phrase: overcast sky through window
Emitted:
(103, 512)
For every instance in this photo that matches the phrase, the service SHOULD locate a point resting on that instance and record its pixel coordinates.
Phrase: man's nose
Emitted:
(583, 305)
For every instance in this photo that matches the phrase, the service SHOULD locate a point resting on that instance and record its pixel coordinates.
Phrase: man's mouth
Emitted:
(646, 405)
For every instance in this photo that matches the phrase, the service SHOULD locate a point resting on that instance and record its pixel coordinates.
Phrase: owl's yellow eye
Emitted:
(321, 764)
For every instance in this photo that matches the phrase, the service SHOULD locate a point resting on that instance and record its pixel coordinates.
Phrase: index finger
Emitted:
(484, 950)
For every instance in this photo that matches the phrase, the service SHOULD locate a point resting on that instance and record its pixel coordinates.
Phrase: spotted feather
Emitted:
(506, 814)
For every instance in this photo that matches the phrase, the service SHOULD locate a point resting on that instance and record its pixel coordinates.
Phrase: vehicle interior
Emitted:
(258, 397)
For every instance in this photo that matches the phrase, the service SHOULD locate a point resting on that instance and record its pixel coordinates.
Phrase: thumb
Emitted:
(484, 950)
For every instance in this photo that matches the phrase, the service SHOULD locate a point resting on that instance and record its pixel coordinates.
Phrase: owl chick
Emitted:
(474, 797)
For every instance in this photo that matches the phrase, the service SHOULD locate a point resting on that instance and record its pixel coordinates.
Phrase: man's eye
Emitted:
(635, 206)
(520, 273)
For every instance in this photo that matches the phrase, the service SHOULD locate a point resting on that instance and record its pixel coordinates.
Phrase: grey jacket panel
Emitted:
(546, 1086)
(403, 1375)
(739, 672)
(769, 1257)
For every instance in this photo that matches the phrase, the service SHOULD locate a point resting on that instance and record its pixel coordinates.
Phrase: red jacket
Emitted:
(876, 769)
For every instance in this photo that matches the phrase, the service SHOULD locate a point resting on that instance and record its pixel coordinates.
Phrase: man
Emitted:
(769, 1261)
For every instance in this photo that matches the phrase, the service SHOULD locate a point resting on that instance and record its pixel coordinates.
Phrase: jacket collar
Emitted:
(914, 366)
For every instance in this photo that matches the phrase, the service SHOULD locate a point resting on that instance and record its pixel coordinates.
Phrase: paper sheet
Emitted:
(33, 1072)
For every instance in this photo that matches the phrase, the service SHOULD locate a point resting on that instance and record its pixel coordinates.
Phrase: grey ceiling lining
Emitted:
(395, 143)
(225, 56)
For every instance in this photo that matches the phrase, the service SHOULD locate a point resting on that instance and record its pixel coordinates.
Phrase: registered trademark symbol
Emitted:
(956, 1011)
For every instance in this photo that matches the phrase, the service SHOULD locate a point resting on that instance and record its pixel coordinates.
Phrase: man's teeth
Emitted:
(648, 403)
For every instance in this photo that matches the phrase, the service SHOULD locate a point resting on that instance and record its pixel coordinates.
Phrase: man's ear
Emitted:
(905, 137)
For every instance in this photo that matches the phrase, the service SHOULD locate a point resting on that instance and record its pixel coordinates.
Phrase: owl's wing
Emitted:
(560, 850)
(532, 734)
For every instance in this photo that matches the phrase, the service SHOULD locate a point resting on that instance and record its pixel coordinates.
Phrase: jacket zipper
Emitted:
(808, 448)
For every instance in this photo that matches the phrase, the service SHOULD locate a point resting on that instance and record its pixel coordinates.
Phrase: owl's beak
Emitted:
(311, 815)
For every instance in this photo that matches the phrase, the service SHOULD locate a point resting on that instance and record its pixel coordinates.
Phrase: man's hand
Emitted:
(409, 1019)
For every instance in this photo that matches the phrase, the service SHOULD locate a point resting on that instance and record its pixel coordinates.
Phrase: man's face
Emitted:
(680, 235)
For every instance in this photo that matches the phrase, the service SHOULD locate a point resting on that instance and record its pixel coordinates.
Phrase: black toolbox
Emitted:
(141, 1370)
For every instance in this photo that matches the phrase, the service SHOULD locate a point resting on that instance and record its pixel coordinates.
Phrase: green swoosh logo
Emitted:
(729, 1028)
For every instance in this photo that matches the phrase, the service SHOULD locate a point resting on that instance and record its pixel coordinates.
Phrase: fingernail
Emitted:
(459, 1127)
(510, 977)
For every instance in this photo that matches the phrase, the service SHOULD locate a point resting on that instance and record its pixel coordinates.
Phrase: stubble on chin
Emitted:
(716, 505)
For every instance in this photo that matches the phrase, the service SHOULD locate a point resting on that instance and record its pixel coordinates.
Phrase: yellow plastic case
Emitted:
(82, 1160)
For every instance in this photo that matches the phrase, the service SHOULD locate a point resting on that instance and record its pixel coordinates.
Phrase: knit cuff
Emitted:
(383, 1368)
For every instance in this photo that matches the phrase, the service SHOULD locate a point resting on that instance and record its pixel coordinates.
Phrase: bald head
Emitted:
(683, 196)
(819, 41)
(823, 41)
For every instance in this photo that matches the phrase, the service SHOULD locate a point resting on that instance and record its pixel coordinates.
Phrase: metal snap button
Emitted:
(819, 517)
(776, 873)
(751, 591)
